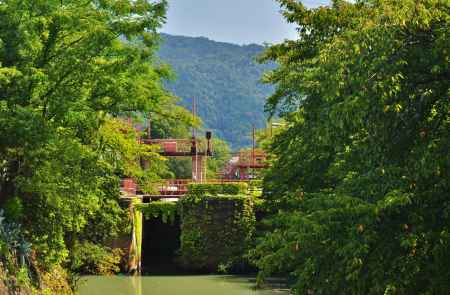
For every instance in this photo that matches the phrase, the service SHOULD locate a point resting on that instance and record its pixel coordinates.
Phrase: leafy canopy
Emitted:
(359, 185)
(68, 69)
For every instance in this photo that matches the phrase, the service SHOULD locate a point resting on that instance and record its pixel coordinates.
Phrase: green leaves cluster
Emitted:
(229, 188)
(167, 211)
(359, 182)
(68, 71)
(89, 258)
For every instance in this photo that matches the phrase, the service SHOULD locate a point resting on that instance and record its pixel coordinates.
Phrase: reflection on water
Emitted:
(172, 285)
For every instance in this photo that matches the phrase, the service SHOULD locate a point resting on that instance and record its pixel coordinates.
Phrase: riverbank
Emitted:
(16, 280)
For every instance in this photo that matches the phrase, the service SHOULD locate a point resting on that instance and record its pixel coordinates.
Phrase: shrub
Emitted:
(13, 209)
(90, 258)
(166, 210)
(229, 188)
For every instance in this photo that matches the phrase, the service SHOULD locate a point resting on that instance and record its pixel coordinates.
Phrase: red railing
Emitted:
(171, 145)
(176, 144)
(128, 186)
(174, 188)
(169, 188)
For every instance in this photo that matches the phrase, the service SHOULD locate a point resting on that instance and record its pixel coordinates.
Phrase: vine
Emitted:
(229, 188)
(166, 210)
(216, 229)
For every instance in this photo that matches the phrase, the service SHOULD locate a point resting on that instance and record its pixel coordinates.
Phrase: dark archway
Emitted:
(160, 243)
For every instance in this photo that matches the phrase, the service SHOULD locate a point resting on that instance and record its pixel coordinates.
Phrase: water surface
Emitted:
(172, 285)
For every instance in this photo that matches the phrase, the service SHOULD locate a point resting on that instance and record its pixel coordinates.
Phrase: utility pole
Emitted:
(208, 152)
(149, 126)
(194, 142)
(194, 114)
(253, 148)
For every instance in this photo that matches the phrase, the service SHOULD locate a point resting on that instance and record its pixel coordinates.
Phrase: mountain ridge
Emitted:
(224, 79)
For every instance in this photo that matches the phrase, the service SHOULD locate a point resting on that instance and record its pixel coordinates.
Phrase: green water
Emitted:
(172, 285)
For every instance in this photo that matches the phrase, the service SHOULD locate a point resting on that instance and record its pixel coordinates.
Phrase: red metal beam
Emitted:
(256, 166)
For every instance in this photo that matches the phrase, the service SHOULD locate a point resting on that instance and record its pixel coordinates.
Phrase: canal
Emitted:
(173, 285)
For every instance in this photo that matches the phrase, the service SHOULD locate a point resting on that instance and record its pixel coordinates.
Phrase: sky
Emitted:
(233, 21)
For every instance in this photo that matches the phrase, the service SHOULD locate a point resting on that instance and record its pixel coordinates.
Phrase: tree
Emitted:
(361, 174)
(221, 156)
(67, 70)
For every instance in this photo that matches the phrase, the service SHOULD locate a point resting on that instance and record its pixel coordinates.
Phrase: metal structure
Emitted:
(245, 164)
(197, 149)
(166, 189)
(171, 189)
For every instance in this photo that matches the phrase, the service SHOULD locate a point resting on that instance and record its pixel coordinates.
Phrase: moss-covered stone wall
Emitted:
(216, 228)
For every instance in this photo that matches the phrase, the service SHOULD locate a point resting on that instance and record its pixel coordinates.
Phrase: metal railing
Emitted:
(170, 187)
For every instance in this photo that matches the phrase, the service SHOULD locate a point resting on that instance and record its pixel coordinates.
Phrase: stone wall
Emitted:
(216, 229)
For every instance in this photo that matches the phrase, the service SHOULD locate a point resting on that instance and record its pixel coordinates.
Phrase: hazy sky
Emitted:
(235, 21)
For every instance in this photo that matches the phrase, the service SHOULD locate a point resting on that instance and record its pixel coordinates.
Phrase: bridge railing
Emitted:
(171, 145)
(172, 187)
(128, 186)
(169, 187)
(176, 144)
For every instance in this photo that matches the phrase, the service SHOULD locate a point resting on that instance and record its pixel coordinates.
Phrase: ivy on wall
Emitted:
(217, 224)
(229, 188)
(167, 211)
(216, 229)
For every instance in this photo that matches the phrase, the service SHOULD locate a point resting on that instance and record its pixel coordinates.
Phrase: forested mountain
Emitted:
(224, 78)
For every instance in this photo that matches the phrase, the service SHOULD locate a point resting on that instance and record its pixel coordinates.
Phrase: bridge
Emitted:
(245, 164)
(241, 167)
(170, 189)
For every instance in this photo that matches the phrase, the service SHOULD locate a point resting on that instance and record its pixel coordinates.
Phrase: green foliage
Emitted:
(12, 241)
(23, 278)
(15, 254)
(229, 188)
(167, 211)
(216, 231)
(222, 154)
(13, 209)
(89, 258)
(123, 153)
(109, 222)
(170, 120)
(67, 71)
(358, 188)
(181, 167)
(224, 80)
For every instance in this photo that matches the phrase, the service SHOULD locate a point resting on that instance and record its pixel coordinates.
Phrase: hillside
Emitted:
(224, 79)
